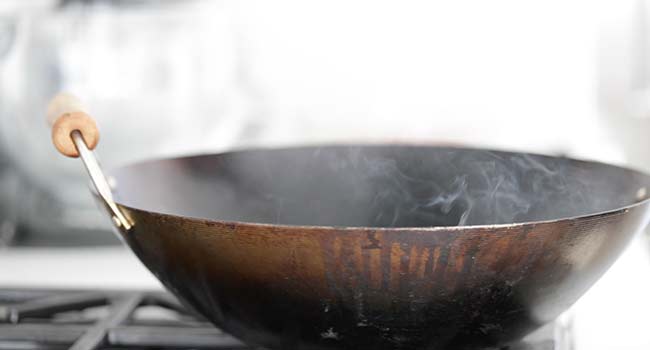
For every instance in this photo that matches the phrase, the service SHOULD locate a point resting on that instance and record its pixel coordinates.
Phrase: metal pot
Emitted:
(117, 53)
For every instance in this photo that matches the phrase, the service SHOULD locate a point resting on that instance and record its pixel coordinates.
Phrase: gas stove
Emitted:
(92, 319)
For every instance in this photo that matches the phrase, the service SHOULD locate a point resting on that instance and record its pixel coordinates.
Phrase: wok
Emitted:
(369, 246)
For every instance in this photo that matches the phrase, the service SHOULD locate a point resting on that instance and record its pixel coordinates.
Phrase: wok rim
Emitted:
(259, 225)
(479, 227)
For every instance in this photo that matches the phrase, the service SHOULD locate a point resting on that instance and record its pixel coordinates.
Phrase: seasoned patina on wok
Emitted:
(378, 247)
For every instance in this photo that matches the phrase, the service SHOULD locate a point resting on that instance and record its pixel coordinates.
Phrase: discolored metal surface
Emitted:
(291, 286)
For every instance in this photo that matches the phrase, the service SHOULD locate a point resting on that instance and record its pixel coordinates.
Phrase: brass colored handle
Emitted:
(74, 134)
(65, 114)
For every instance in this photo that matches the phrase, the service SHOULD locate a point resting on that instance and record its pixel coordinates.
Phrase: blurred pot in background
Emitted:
(146, 68)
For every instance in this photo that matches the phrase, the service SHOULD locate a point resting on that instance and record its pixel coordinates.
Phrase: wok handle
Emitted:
(75, 134)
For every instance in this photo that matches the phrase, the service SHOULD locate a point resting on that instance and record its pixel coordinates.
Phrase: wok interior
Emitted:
(377, 186)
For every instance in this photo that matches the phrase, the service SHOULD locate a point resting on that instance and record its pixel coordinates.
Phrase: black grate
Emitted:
(103, 320)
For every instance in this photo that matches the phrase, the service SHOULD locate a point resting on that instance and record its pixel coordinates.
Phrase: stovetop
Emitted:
(85, 320)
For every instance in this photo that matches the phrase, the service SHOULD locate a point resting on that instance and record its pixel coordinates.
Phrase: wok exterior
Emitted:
(296, 287)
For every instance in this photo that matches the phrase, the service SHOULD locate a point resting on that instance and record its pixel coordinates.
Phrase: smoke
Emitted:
(458, 197)
(449, 187)
(382, 186)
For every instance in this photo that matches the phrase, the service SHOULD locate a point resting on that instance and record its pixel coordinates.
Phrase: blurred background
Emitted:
(176, 77)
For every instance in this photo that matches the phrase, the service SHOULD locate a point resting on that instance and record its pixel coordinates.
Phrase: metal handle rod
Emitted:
(99, 181)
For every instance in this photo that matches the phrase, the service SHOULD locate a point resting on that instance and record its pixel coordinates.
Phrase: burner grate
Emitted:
(103, 320)
(106, 320)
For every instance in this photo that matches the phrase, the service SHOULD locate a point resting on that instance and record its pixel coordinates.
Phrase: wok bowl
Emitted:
(382, 246)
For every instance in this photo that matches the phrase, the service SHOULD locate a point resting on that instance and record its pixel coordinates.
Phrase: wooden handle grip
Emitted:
(65, 114)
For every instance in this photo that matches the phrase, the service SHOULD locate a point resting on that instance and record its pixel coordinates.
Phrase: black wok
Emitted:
(374, 247)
